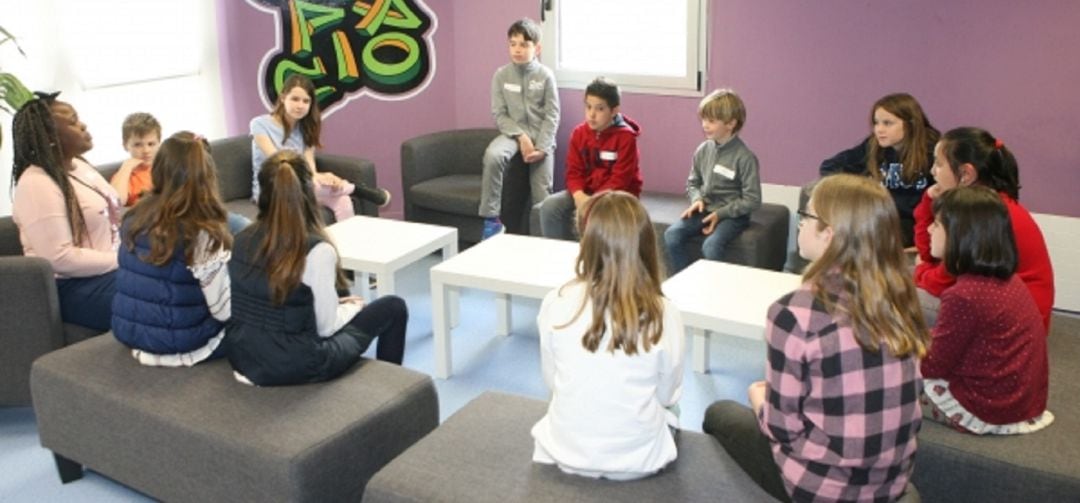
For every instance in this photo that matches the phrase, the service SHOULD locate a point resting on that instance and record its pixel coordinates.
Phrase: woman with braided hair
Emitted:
(66, 212)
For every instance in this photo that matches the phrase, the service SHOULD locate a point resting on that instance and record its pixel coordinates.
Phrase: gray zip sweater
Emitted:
(726, 177)
(525, 100)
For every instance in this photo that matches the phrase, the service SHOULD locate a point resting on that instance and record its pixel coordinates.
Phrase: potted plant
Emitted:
(12, 91)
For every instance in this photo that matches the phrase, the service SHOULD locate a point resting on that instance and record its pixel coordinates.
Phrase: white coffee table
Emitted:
(381, 246)
(508, 265)
(725, 298)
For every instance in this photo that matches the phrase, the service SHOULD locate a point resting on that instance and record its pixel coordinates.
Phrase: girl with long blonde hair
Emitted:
(611, 349)
(837, 413)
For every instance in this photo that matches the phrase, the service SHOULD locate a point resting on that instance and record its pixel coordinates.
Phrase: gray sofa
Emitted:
(30, 311)
(196, 434)
(440, 183)
(484, 453)
(232, 156)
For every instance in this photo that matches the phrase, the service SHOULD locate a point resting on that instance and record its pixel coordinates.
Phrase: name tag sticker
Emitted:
(724, 171)
(608, 155)
(514, 88)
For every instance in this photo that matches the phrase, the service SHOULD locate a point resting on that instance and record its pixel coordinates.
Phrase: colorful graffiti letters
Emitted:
(346, 46)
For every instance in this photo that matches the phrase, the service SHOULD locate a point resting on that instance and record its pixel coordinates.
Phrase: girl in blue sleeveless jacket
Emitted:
(289, 326)
(172, 290)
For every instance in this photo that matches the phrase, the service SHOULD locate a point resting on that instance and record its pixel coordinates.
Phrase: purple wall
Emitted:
(808, 72)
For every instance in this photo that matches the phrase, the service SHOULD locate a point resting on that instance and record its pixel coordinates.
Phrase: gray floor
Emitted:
(482, 361)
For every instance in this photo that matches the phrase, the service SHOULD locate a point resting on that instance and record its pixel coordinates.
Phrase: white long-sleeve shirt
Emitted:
(608, 414)
(319, 275)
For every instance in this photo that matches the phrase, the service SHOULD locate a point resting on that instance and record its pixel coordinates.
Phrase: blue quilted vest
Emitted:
(159, 309)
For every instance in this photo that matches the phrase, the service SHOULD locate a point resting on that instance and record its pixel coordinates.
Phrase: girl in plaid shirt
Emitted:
(836, 417)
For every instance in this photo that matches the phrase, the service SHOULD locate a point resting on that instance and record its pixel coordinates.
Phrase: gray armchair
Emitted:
(440, 182)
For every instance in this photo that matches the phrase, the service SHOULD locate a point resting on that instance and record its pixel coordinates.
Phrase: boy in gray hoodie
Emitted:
(724, 185)
(525, 105)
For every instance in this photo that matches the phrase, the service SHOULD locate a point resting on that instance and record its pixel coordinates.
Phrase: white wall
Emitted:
(192, 101)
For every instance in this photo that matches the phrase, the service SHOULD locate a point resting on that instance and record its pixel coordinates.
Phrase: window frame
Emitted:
(692, 83)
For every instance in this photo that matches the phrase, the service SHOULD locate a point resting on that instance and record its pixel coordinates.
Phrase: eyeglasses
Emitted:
(806, 215)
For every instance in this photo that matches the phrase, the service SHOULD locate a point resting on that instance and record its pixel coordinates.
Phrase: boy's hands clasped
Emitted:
(710, 220)
(529, 153)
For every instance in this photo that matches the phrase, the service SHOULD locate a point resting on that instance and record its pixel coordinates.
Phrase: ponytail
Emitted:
(994, 163)
(288, 217)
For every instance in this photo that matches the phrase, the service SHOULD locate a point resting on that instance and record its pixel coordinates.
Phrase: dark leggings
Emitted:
(735, 426)
(87, 301)
(384, 319)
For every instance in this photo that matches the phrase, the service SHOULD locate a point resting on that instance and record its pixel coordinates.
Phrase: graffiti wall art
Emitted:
(378, 48)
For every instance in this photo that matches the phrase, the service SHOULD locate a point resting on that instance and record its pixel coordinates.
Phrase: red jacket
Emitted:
(605, 160)
(1033, 260)
(993, 356)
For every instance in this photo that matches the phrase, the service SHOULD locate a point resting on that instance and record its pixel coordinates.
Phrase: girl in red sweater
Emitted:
(987, 371)
(970, 156)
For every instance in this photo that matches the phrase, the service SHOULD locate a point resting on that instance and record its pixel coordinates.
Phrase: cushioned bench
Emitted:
(1043, 466)
(484, 453)
(763, 244)
(195, 434)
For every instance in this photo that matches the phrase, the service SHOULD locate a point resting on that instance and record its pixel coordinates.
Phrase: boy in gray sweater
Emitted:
(724, 186)
(525, 105)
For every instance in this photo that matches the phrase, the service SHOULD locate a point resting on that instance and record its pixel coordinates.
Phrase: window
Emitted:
(643, 45)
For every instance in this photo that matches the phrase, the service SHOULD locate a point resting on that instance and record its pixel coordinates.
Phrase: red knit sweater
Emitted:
(990, 344)
(1033, 260)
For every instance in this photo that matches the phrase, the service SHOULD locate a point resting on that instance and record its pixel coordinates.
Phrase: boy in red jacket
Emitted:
(603, 156)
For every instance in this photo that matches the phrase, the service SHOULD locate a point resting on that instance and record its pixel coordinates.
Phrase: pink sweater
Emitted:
(39, 212)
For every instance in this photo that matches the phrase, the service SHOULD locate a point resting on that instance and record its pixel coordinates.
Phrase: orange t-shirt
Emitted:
(139, 182)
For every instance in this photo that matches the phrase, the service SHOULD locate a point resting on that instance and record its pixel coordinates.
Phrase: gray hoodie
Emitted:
(525, 100)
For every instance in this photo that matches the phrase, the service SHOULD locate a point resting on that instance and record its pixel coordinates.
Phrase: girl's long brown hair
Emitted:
(863, 273)
(184, 201)
(311, 124)
(619, 265)
(919, 136)
(288, 216)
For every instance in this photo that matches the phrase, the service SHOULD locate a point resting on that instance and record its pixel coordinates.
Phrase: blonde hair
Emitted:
(139, 124)
(619, 264)
(863, 273)
(723, 105)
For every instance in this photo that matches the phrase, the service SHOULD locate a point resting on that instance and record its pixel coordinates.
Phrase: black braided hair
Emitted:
(37, 143)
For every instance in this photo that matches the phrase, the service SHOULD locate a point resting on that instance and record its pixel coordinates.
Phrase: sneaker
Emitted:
(492, 227)
(386, 200)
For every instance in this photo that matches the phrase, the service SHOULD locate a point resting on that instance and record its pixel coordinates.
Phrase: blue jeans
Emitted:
(87, 301)
(679, 236)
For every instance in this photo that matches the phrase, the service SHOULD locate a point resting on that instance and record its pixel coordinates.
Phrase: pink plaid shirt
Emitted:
(842, 421)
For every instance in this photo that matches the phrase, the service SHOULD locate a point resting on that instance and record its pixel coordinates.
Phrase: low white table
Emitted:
(725, 298)
(382, 246)
(508, 265)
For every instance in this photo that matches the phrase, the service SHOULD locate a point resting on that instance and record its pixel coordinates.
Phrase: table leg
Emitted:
(363, 283)
(441, 328)
(502, 310)
(700, 342)
(448, 252)
(386, 285)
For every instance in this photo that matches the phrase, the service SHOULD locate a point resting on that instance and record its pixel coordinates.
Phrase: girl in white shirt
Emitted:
(611, 348)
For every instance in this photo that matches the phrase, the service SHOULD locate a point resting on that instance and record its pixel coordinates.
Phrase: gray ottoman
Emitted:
(484, 453)
(1043, 466)
(195, 434)
(763, 244)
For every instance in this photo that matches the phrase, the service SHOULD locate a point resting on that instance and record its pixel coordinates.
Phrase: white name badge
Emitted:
(535, 85)
(514, 88)
(608, 155)
(724, 171)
